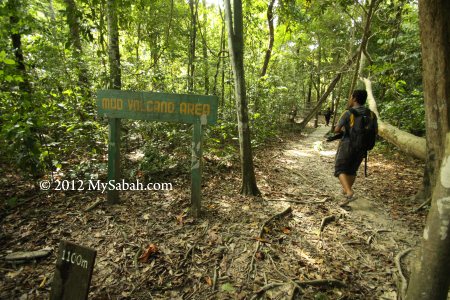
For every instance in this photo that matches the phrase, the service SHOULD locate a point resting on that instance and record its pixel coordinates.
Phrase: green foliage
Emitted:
(48, 121)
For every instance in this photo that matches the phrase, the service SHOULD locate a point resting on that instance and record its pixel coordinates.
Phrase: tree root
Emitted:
(261, 232)
(325, 221)
(427, 202)
(404, 282)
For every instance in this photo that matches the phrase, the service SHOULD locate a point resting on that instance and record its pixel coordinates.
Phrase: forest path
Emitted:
(314, 158)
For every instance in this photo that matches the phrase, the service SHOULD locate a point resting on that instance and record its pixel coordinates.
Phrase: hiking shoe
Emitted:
(347, 200)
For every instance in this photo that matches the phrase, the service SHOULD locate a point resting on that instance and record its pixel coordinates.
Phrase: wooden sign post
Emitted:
(73, 272)
(180, 108)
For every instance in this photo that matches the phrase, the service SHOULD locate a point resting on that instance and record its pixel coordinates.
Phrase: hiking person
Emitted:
(359, 127)
(327, 116)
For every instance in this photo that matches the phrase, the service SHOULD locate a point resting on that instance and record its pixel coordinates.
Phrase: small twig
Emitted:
(369, 240)
(321, 282)
(299, 201)
(265, 288)
(214, 279)
(403, 283)
(428, 201)
(190, 250)
(325, 221)
(94, 205)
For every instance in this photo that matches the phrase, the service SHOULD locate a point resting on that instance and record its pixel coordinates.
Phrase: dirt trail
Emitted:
(315, 157)
(237, 249)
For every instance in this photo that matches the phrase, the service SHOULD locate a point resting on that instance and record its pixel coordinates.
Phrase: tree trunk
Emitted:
(405, 141)
(115, 77)
(205, 51)
(192, 39)
(363, 46)
(431, 276)
(74, 25)
(115, 83)
(236, 45)
(271, 38)
(219, 55)
(327, 92)
(16, 39)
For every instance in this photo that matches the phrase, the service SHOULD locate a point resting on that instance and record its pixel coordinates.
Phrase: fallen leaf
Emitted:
(262, 240)
(151, 249)
(259, 255)
(208, 281)
(286, 230)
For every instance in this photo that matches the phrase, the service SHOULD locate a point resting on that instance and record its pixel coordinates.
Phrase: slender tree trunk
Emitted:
(219, 55)
(115, 83)
(271, 38)
(114, 53)
(363, 45)
(26, 104)
(318, 92)
(236, 45)
(327, 92)
(73, 21)
(16, 39)
(205, 51)
(430, 278)
(193, 7)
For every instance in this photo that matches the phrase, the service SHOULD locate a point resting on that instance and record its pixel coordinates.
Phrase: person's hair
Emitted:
(360, 96)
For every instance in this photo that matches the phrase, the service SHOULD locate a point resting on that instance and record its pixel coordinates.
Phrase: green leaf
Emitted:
(227, 287)
(9, 61)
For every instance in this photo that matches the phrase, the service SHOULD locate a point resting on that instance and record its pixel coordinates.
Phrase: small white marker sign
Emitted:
(73, 272)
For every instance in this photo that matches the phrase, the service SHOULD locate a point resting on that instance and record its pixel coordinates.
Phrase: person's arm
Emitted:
(340, 124)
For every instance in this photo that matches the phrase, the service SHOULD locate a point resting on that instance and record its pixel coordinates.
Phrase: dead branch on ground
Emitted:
(427, 202)
(398, 264)
(299, 201)
(325, 221)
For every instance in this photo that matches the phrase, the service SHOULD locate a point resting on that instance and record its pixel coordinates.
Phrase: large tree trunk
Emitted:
(236, 45)
(431, 276)
(405, 141)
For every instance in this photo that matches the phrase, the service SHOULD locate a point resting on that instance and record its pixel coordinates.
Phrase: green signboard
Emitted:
(181, 108)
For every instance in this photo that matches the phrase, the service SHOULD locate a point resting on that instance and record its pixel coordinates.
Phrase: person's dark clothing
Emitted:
(347, 162)
(327, 116)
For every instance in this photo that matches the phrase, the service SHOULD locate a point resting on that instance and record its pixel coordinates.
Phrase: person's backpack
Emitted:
(363, 133)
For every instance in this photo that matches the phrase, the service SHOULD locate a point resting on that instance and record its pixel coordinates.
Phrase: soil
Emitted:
(241, 247)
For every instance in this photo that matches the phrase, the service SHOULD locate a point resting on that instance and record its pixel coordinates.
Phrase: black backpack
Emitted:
(363, 133)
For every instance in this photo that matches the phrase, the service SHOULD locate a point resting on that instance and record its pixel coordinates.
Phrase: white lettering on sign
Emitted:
(75, 259)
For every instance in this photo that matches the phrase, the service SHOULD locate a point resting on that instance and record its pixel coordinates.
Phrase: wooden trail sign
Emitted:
(180, 108)
(73, 272)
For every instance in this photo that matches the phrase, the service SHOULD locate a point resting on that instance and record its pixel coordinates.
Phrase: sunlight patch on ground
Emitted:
(298, 153)
(328, 153)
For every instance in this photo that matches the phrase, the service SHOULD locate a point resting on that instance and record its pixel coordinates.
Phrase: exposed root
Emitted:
(398, 264)
(261, 232)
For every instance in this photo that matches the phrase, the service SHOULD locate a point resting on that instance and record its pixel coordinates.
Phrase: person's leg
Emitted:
(347, 183)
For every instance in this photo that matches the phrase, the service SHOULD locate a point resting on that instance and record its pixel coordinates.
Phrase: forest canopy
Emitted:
(54, 57)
